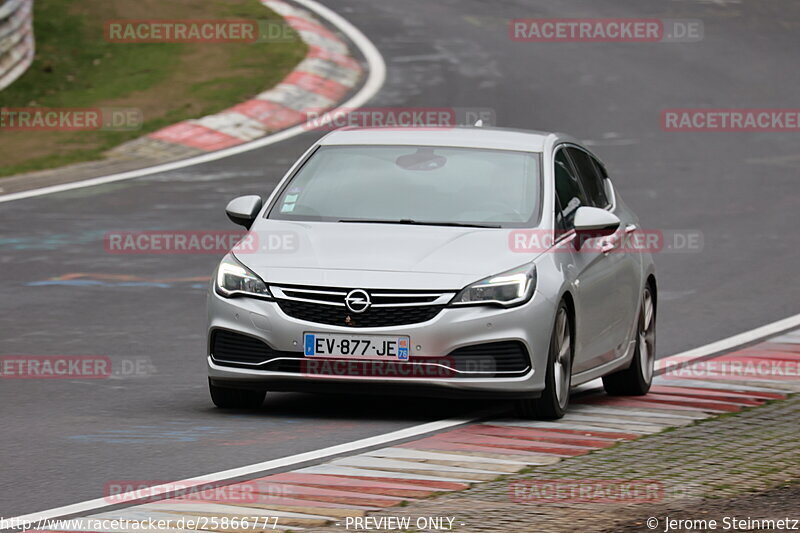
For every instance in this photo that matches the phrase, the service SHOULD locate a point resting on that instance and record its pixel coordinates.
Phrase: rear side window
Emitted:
(590, 178)
(568, 189)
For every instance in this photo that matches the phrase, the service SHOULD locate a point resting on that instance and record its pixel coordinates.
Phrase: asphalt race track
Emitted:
(62, 440)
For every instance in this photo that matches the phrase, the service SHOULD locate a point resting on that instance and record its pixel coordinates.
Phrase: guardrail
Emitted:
(16, 39)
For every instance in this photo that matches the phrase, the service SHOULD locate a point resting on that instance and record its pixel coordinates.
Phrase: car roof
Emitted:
(461, 136)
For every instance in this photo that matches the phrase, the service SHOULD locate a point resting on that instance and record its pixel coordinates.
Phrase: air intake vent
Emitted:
(507, 356)
(237, 348)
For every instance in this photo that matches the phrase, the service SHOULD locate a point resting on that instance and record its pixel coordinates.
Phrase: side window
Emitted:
(561, 224)
(604, 175)
(568, 189)
(590, 178)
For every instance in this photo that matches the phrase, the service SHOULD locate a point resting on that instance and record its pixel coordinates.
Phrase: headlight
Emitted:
(507, 289)
(234, 278)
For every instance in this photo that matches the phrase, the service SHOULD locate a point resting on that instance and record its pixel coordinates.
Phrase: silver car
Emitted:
(475, 262)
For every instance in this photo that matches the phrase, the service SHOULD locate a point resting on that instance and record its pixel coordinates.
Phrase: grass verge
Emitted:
(76, 67)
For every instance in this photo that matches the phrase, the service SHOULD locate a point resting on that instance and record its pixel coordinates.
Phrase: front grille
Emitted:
(227, 346)
(388, 307)
(375, 317)
(491, 357)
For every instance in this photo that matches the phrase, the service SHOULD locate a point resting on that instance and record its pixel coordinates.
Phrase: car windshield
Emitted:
(414, 185)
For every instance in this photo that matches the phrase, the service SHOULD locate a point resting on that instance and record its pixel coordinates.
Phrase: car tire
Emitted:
(225, 398)
(637, 379)
(552, 404)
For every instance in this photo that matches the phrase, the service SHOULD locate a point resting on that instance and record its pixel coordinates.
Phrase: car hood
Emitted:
(376, 255)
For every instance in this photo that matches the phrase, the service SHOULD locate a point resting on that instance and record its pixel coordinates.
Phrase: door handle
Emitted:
(612, 242)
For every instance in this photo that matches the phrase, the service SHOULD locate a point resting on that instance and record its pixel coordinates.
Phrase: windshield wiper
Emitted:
(412, 222)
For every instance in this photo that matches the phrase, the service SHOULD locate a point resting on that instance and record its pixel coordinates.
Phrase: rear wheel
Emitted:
(637, 378)
(552, 404)
(225, 398)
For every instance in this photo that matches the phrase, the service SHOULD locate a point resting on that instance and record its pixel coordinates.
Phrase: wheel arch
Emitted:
(570, 301)
(651, 283)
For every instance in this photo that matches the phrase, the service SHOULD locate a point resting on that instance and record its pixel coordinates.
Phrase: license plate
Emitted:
(371, 347)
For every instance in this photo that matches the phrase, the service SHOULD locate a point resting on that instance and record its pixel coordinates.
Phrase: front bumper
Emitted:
(453, 328)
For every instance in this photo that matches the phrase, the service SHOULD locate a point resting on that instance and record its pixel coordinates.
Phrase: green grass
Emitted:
(76, 67)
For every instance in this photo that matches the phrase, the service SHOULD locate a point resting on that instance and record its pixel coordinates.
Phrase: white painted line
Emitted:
(209, 508)
(409, 453)
(788, 338)
(719, 385)
(667, 411)
(368, 442)
(603, 420)
(732, 342)
(611, 419)
(376, 75)
(621, 411)
(609, 428)
(528, 458)
(382, 463)
(630, 419)
(365, 472)
(787, 386)
(135, 513)
(355, 493)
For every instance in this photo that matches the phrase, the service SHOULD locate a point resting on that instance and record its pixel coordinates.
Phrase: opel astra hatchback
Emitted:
(469, 262)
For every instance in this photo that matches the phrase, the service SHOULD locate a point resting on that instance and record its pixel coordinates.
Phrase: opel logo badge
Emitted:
(357, 301)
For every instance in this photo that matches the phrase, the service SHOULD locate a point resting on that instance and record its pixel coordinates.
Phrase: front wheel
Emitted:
(236, 398)
(637, 379)
(552, 404)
